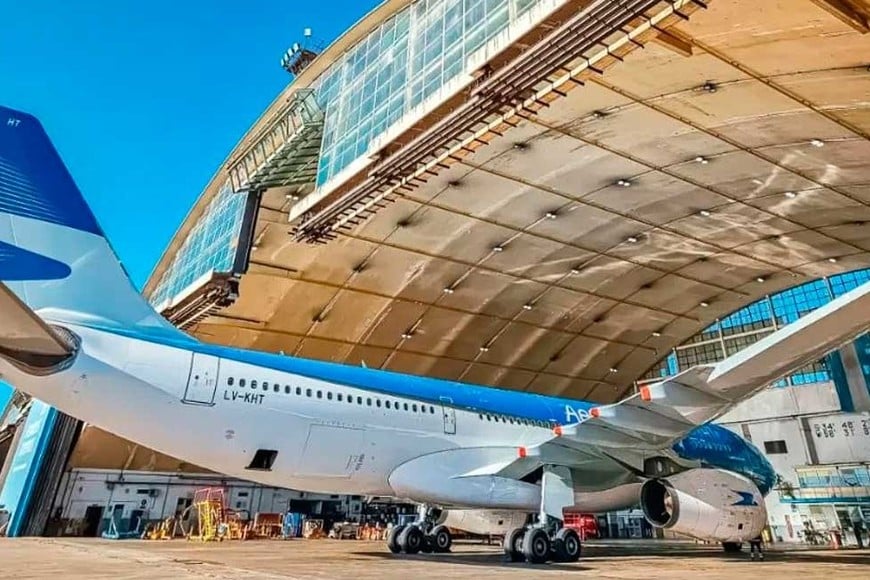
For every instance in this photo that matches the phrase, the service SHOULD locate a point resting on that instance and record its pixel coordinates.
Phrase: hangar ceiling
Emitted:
(718, 164)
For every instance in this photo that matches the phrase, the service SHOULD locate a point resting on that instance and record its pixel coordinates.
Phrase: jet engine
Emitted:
(708, 504)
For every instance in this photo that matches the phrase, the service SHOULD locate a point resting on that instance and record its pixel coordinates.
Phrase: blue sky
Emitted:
(145, 99)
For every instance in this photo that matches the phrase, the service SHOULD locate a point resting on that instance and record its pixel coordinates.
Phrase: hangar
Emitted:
(566, 197)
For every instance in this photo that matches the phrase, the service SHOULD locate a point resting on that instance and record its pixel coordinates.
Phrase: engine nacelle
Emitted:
(708, 504)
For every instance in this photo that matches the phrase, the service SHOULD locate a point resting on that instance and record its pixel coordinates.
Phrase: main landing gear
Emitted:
(538, 544)
(547, 539)
(424, 535)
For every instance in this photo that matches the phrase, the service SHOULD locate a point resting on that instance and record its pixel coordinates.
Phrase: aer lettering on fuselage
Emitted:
(87, 343)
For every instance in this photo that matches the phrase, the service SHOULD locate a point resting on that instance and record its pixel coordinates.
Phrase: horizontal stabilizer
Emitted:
(25, 338)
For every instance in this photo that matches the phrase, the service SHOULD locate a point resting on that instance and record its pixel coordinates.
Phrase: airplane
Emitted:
(75, 333)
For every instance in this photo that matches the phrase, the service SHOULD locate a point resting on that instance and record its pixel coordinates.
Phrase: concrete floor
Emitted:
(56, 558)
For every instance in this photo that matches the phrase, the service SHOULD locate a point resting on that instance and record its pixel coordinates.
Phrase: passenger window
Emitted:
(489, 417)
(387, 404)
(298, 390)
(230, 381)
(369, 402)
(307, 392)
(253, 384)
(241, 382)
(319, 394)
(276, 387)
(287, 389)
(414, 407)
(431, 410)
(377, 402)
(329, 395)
(359, 400)
(339, 397)
(406, 406)
(265, 386)
(396, 405)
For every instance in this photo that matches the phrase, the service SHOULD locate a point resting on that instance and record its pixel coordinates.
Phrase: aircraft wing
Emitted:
(663, 413)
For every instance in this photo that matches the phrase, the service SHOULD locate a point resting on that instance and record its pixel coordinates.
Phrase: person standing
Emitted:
(756, 547)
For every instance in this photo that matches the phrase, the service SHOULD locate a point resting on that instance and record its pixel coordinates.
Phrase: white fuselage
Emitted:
(328, 437)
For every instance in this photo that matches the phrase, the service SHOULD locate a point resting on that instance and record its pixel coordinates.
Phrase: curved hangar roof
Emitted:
(561, 225)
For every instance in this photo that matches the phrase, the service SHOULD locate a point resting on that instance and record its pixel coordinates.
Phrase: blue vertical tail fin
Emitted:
(53, 253)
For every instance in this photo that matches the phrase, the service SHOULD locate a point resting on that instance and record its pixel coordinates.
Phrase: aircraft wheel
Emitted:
(393, 539)
(566, 545)
(536, 546)
(732, 547)
(411, 539)
(440, 539)
(513, 545)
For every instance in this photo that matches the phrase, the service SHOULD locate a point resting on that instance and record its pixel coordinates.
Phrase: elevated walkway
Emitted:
(286, 151)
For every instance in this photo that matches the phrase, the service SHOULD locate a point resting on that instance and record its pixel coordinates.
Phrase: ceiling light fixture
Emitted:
(702, 160)
(575, 271)
(550, 215)
(832, 260)
(817, 143)
(790, 194)
(527, 306)
(704, 213)
(656, 333)
(623, 183)
(704, 304)
(613, 369)
(521, 145)
(598, 114)
(292, 197)
(498, 249)
(632, 239)
(710, 87)
(484, 348)
(449, 290)
(454, 183)
(761, 279)
(407, 335)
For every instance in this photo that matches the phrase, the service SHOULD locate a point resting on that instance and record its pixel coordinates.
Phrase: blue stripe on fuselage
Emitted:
(475, 398)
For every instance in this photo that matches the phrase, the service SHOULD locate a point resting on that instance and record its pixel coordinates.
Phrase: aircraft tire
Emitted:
(732, 547)
(411, 539)
(513, 545)
(536, 546)
(440, 539)
(566, 545)
(393, 539)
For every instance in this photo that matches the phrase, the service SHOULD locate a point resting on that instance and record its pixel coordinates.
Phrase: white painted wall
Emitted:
(158, 494)
(775, 415)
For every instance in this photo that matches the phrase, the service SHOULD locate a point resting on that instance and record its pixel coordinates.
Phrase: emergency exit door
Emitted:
(449, 415)
(202, 382)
